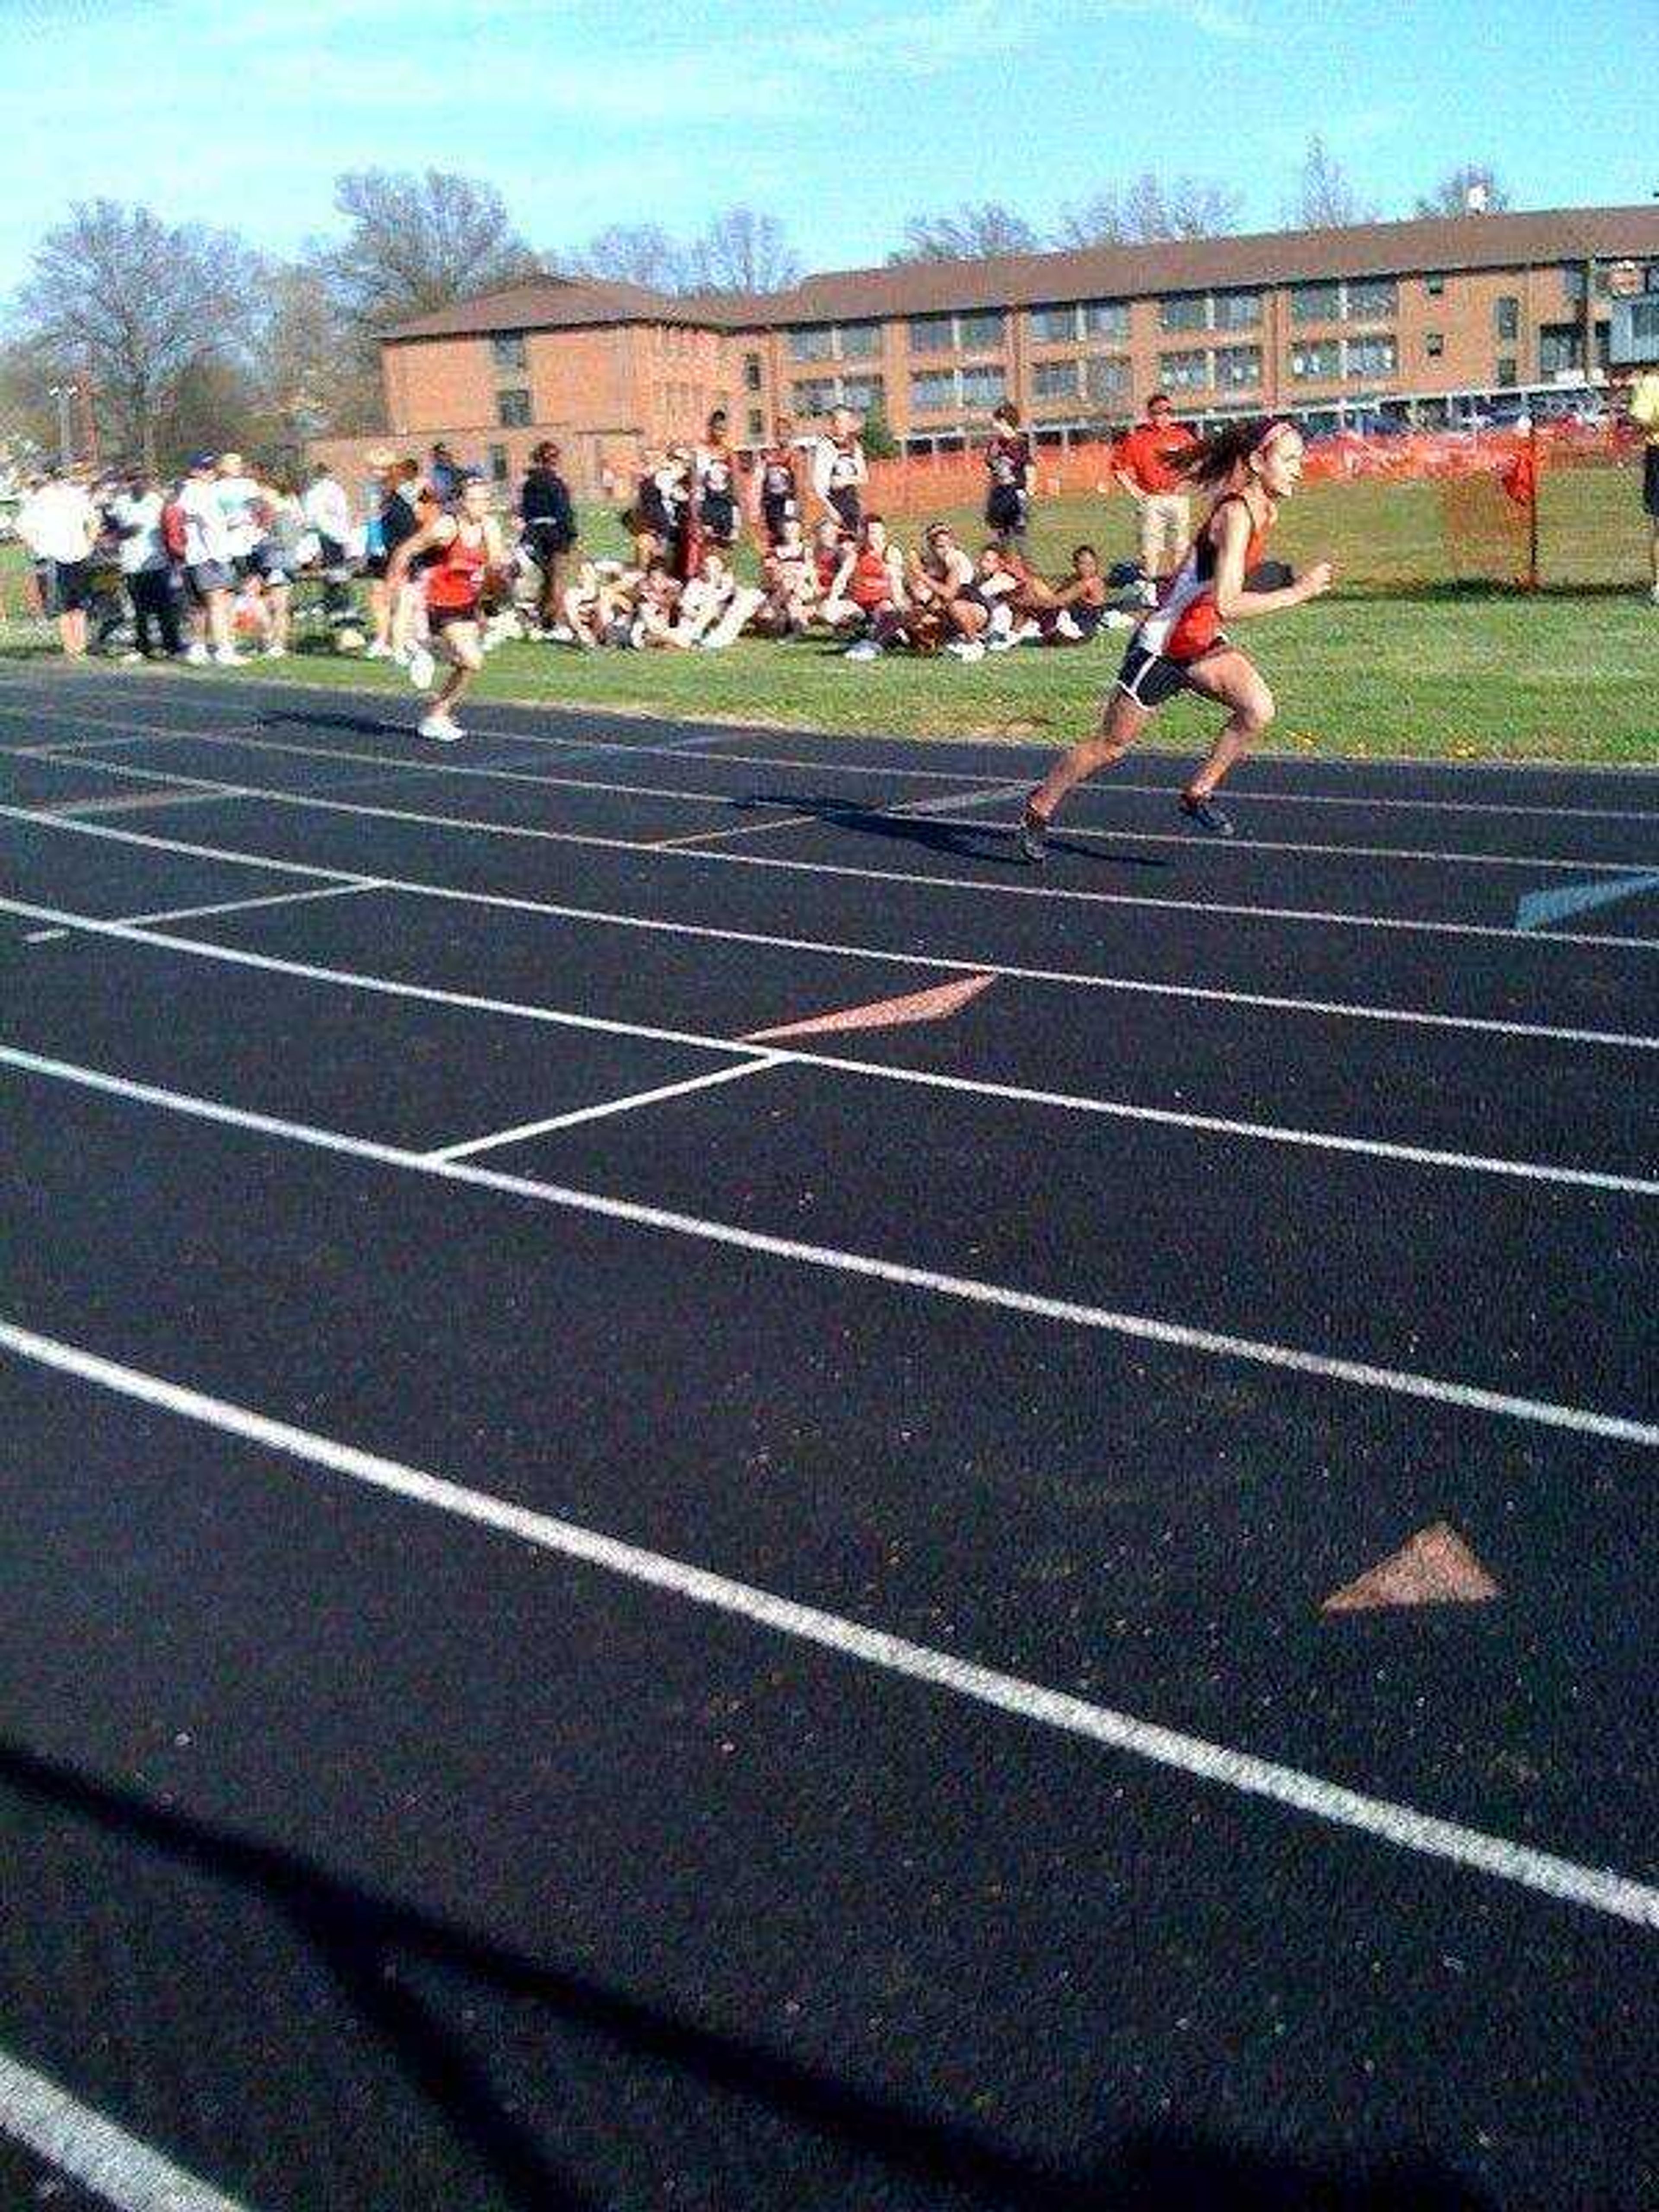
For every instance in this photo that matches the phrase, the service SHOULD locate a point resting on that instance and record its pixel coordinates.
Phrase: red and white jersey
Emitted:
(1187, 623)
(456, 576)
(1008, 460)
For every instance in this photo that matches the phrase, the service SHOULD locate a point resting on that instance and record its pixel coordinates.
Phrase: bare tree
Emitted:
(417, 243)
(313, 372)
(134, 302)
(973, 231)
(743, 250)
(1325, 197)
(632, 253)
(1471, 189)
(1148, 209)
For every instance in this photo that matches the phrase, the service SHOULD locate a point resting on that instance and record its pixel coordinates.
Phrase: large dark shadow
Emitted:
(966, 841)
(363, 1940)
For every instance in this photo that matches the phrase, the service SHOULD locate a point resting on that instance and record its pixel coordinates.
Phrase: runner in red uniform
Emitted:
(1182, 645)
(468, 558)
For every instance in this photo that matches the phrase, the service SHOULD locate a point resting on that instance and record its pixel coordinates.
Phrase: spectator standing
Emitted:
(1141, 466)
(1644, 405)
(147, 568)
(1010, 467)
(327, 511)
(209, 563)
(59, 523)
(549, 529)
(839, 470)
(445, 476)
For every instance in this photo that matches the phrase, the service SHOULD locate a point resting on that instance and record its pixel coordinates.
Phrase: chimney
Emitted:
(1474, 199)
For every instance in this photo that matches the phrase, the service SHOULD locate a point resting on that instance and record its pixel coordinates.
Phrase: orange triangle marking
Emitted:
(1436, 1567)
(933, 1005)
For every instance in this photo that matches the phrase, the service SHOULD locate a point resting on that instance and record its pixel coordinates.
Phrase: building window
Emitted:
(498, 464)
(1506, 316)
(1560, 347)
(1238, 368)
(1236, 311)
(1371, 299)
(1372, 357)
(1105, 319)
(818, 345)
(863, 393)
(1106, 377)
(751, 372)
(1183, 372)
(1053, 326)
(1186, 311)
(1054, 379)
(1434, 285)
(932, 334)
(756, 426)
(859, 341)
(1315, 303)
(932, 388)
(1434, 344)
(980, 333)
(1317, 360)
(513, 408)
(981, 388)
(506, 350)
(816, 395)
(1506, 370)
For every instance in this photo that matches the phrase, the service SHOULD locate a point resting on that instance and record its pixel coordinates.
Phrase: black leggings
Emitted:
(154, 598)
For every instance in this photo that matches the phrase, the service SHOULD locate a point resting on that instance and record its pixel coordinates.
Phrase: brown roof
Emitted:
(549, 303)
(1439, 243)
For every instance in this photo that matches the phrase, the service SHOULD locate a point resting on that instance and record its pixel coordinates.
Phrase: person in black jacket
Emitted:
(549, 527)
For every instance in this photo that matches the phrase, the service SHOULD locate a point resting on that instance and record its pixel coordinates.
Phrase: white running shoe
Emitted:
(967, 648)
(377, 649)
(440, 728)
(226, 656)
(1115, 618)
(421, 668)
(198, 655)
(1065, 626)
(865, 649)
(275, 653)
(1001, 641)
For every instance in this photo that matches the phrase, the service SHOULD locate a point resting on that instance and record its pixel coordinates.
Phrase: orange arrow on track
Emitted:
(1436, 1567)
(934, 1006)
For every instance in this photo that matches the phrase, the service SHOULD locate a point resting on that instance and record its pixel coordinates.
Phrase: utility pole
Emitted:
(64, 395)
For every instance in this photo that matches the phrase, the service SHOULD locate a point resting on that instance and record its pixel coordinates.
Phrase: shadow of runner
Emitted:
(966, 840)
(372, 1947)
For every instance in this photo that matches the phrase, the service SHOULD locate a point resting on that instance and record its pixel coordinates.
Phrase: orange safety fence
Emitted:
(918, 483)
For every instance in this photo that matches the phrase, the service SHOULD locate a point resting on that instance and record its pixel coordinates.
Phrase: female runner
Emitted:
(1180, 644)
(465, 546)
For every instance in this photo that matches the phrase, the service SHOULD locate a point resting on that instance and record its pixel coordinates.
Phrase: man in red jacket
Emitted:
(1142, 466)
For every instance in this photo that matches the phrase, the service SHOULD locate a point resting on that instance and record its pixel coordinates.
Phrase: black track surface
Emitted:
(353, 1856)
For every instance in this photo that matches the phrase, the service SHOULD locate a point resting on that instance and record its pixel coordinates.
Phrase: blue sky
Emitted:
(842, 118)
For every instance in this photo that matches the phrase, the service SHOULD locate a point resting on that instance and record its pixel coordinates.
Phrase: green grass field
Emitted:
(1405, 657)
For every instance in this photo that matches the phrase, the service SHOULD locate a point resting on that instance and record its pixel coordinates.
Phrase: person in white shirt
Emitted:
(839, 470)
(327, 510)
(209, 563)
(58, 523)
(146, 566)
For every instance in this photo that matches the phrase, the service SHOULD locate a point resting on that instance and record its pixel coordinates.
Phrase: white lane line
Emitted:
(1181, 1336)
(465, 1151)
(1337, 764)
(1598, 1888)
(81, 2142)
(1209, 994)
(875, 1071)
(224, 906)
(1209, 849)
(134, 802)
(743, 829)
(982, 886)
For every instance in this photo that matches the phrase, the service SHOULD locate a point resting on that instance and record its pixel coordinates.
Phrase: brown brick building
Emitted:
(1417, 317)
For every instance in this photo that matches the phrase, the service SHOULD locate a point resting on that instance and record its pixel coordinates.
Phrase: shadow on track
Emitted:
(373, 1949)
(966, 840)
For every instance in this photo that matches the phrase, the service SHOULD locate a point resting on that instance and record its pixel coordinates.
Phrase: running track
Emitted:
(602, 1614)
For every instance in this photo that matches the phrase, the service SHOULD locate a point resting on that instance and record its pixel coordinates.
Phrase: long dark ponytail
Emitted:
(1213, 460)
